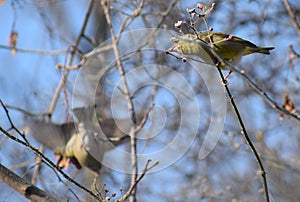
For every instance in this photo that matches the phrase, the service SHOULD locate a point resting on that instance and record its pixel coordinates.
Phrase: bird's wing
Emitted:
(54, 136)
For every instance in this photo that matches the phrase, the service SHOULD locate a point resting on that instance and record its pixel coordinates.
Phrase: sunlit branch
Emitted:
(292, 15)
(40, 52)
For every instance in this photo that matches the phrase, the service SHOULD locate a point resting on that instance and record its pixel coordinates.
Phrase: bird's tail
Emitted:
(265, 50)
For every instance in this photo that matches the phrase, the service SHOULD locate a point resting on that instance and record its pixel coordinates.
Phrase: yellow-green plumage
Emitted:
(78, 152)
(230, 48)
(84, 142)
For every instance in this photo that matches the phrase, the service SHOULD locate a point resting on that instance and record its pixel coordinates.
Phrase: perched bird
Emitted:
(230, 48)
(84, 142)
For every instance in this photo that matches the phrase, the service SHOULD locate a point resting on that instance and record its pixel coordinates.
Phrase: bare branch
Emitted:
(145, 118)
(245, 133)
(292, 15)
(26, 111)
(40, 52)
(70, 61)
(26, 189)
(139, 178)
(132, 133)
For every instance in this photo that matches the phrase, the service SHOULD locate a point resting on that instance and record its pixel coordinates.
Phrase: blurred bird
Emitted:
(230, 48)
(82, 143)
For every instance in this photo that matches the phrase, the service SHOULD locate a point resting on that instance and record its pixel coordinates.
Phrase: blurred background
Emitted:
(38, 36)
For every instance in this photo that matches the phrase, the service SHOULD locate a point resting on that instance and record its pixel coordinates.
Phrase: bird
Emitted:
(230, 48)
(84, 142)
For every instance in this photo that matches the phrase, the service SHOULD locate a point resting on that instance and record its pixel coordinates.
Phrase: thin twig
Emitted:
(41, 52)
(70, 60)
(135, 14)
(12, 125)
(139, 178)
(244, 132)
(292, 15)
(24, 111)
(21, 165)
(37, 166)
(167, 12)
(110, 46)
(145, 118)
(132, 133)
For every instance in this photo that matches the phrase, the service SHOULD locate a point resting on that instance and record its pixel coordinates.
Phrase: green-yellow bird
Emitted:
(230, 48)
(84, 142)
